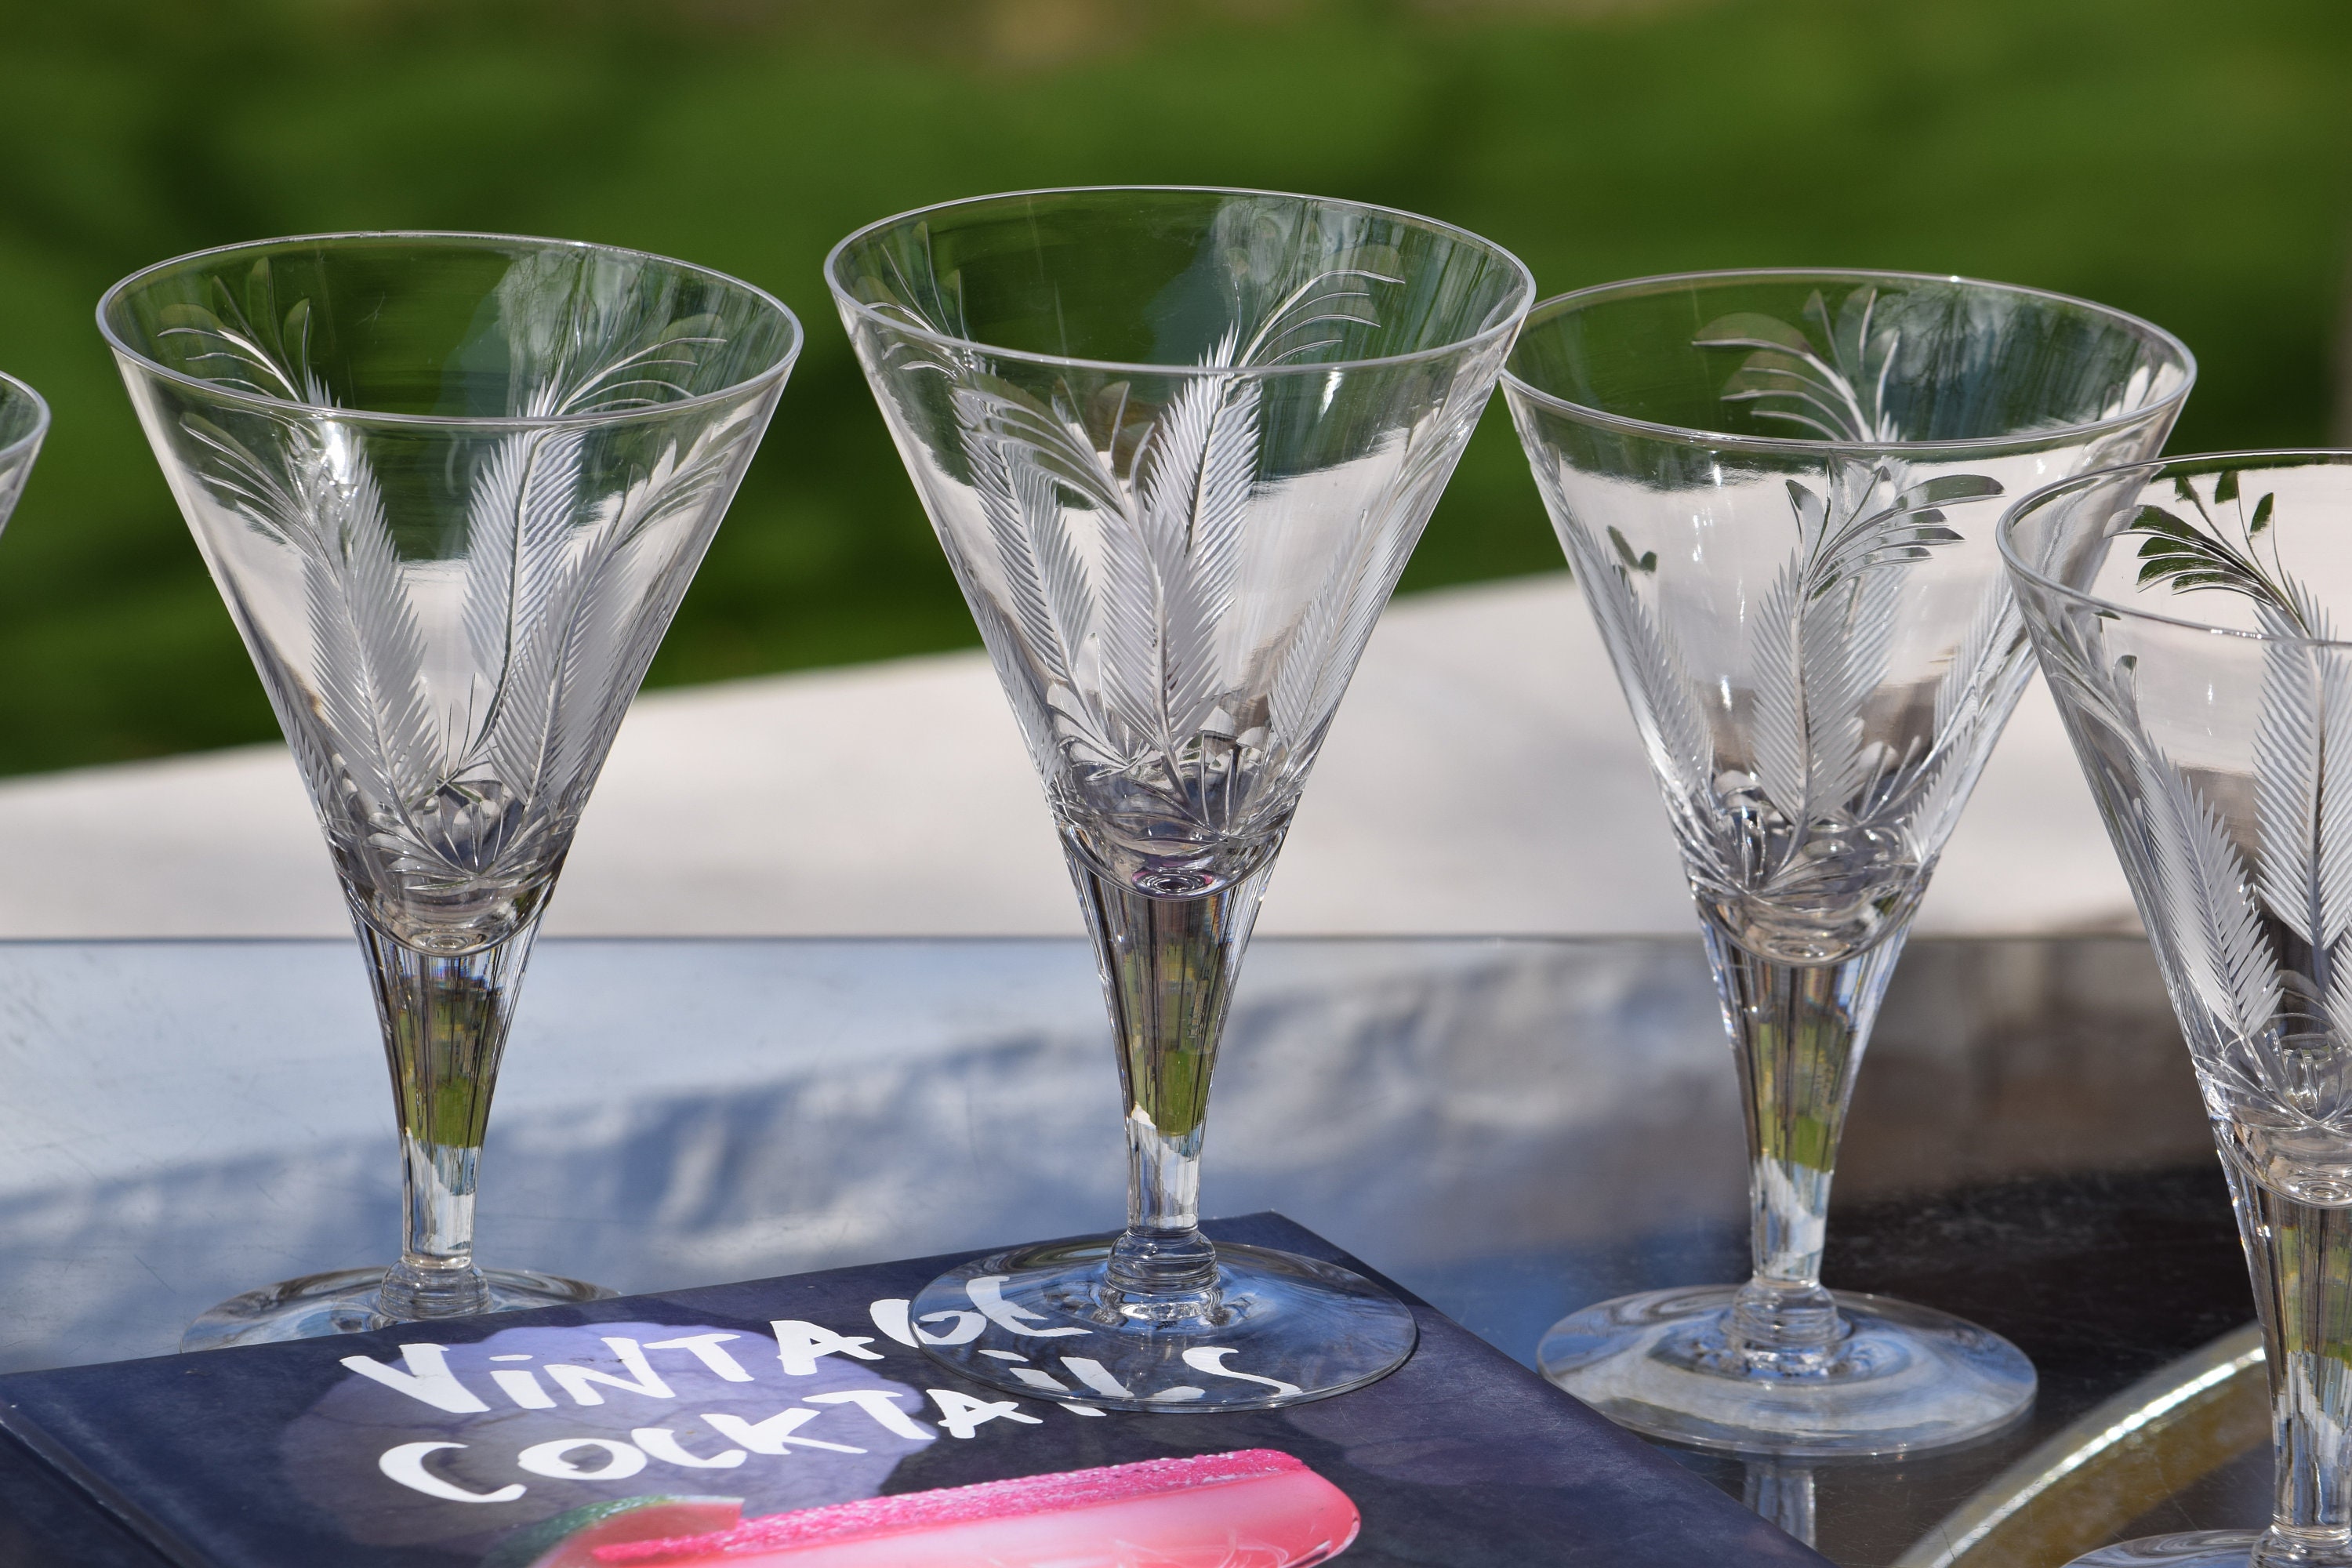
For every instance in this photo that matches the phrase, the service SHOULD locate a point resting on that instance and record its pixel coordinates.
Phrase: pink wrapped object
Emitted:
(1253, 1508)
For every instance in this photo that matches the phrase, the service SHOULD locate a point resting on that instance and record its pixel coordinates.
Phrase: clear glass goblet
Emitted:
(1177, 444)
(2184, 614)
(24, 421)
(452, 487)
(1777, 493)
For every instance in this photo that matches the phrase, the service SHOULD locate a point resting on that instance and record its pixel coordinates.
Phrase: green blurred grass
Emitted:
(2182, 160)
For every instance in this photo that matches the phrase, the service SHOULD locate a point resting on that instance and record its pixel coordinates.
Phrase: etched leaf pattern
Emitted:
(2262, 934)
(1121, 534)
(548, 615)
(1825, 626)
(1823, 630)
(1835, 390)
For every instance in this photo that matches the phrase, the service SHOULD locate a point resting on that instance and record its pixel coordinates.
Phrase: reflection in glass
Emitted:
(2127, 1456)
(2186, 616)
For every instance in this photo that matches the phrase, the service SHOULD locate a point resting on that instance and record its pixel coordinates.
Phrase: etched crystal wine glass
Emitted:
(452, 487)
(1177, 444)
(24, 421)
(1777, 493)
(2186, 614)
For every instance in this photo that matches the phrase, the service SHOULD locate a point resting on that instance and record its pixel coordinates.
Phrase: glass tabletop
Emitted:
(1510, 1127)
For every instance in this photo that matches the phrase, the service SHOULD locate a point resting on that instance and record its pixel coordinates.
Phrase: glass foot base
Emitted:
(1902, 1378)
(344, 1302)
(2190, 1549)
(1284, 1330)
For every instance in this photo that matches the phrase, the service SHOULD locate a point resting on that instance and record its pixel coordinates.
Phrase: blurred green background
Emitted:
(2182, 159)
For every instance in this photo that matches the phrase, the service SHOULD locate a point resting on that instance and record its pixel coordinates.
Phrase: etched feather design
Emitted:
(590, 631)
(317, 496)
(1032, 460)
(1822, 634)
(2178, 850)
(247, 344)
(12, 485)
(1993, 647)
(2208, 907)
(1043, 574)
(369, 654)
(2303, 798)
(1835, 389)
(1123, 620)
(518, 526)
(1969, 694)
(550, 620)
(523, 505)
(1825, 626)
(1195, 471)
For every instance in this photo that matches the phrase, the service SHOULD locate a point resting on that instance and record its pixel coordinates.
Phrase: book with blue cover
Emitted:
(795, 1424)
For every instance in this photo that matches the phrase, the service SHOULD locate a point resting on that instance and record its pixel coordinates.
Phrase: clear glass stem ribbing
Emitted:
(445, 1027)
(2301, 1258)
(1797, 1032)
(1168, 969)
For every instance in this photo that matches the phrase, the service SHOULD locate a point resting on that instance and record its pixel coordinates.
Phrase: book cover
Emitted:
(794, 1423)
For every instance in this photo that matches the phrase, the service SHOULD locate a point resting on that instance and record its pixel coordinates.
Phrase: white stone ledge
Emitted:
(1482, 776)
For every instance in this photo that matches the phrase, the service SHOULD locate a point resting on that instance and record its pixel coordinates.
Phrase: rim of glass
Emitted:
(2137, 326)
(2156, 467)
(1515, 309)
(30, 438)
(795, 337)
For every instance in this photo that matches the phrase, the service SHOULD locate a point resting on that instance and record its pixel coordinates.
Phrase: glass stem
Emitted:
(1168, 970)
(1797, 1032)
(2301, 1257)
(445, 1022)
(1782, 1493)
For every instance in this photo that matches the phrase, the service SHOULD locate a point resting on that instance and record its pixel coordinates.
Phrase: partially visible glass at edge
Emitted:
(2189, 616)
